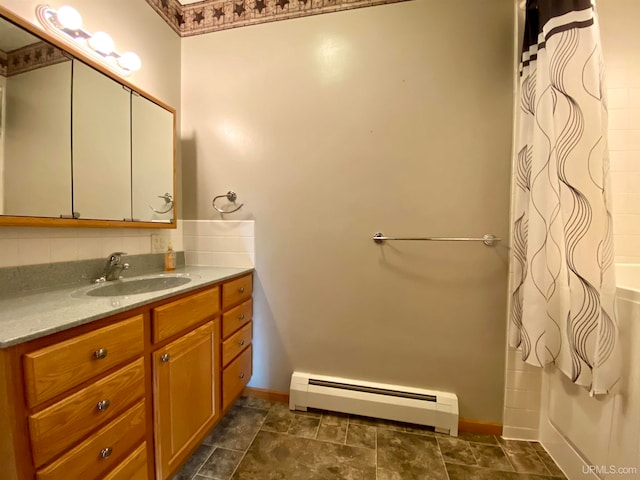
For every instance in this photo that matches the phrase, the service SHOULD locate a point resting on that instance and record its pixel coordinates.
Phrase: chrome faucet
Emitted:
(114, 267)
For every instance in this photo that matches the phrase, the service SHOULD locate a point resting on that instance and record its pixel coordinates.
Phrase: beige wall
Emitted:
(134, 26)
(621, 44)
(330, 128)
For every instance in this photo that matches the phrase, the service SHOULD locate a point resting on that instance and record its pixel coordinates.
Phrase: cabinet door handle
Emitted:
(100, 353)
(241, 289)
(102, 405)
(242, 375)
(241, 317)
(165, 357)
(106, 452)
(242, 342)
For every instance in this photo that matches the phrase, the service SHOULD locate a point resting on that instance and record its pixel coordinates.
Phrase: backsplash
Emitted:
(33, 246)
(27, 279)
(219, 243)
(214, 15)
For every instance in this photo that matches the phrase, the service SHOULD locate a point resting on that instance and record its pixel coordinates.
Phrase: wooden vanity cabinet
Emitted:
(186, 384)
(237, 333)
(129, 397)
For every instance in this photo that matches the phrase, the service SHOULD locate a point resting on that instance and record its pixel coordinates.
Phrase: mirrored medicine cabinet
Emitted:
(78, 145)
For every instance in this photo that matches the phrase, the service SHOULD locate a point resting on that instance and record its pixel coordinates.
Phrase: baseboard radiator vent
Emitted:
(378, 400)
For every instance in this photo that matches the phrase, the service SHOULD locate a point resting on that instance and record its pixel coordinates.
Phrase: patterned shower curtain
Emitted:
(562, 271)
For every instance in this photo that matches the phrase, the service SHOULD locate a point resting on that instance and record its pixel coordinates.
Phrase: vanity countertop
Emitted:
(30, 316)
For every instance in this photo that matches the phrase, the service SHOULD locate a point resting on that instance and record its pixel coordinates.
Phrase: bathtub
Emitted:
(628, 281)
(582, 432)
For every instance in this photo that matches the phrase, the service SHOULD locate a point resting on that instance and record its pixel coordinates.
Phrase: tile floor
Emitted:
(261, 440)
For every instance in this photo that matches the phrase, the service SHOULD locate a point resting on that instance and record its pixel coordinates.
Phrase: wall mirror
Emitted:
(35, 125)
(79, 146)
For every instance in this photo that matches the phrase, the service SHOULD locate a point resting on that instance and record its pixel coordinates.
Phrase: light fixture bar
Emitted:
(66, 25)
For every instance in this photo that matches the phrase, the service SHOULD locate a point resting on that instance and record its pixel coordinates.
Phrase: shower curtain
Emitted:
(562, 273)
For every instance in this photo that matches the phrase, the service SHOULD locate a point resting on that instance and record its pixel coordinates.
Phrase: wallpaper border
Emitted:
(30, 57)
(216, 15)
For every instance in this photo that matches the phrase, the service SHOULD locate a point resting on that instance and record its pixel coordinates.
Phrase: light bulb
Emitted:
(130, 61)
(101, 42)
(69, 17)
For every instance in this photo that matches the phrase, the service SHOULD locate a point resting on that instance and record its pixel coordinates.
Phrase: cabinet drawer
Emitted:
(176, 316)
(60, 426)
(237, 342)
(59, 367)
(134, 467)
(235, 377)
(102, 451)
(236, 317)
(236, 291)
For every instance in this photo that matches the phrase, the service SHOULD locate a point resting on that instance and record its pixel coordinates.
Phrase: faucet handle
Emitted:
(116, 255)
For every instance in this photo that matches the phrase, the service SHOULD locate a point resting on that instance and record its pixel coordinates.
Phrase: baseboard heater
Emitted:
(378, 400)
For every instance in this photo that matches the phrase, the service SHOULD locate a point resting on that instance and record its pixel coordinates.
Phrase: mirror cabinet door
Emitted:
(151, 160)
(74, 142)
(35, 126)
(101, 146)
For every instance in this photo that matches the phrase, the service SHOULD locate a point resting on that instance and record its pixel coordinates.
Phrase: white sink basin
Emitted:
(139, 285)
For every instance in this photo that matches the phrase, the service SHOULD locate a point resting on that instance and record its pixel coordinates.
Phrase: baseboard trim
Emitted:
(478, 426)
(264, 394)
(464, 424)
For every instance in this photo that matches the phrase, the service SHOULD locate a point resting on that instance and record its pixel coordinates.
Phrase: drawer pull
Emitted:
(102, 405)
(100, 353)
(106, 452)
(241, 317)
(165, 357)
(242, 342)
(242, 375)
(241, 289)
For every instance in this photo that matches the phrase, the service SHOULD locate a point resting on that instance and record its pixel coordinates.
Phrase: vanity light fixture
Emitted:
(66, 25)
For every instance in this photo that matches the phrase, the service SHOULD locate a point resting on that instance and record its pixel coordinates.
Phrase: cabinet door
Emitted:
(152, 147)
(186, 394)
(101, 139)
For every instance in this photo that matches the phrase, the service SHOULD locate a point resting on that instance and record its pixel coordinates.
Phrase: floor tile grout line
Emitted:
(315, 437)
(542, 461)
(195, 474)
(250, 443)
(446, 471)
(375, 451)
(506, 454)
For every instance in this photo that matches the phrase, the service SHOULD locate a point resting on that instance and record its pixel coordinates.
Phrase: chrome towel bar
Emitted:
(488, 239)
